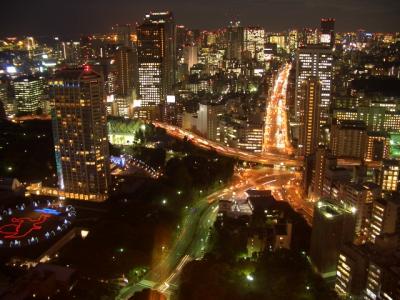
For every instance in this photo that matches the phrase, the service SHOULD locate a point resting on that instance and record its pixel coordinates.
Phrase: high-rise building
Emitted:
(316, 61)
(293, 40)
(319, 171)
(123, 34)
(351, 271)
(359, 198)
(390, 175)
(328, 32)
(80, 134)
(376, 146)
(254, 42)
(4, 99)
(28, 91)
(156, 58)
(124, 61)
(333, 226)
(190, 55)
(234, 37)
(385, 218)
(71, 52)
(207, 120)
(309, 130)
(348, 139)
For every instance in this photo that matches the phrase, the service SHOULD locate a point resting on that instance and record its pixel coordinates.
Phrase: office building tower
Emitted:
(28, 91)
(376, 146)
(80, 134)
(124, 62)
(4, 98)
(385, 218)
(348, 139)
(328, 32)
(351, 272)
(279, 40)
(333, 226)
(293, 40)
(372, 116)
(190, 55)
(254, 42)
(315, 61)
(234, 37)
(309, 128)
(156, 58)
(123, 34)
(87, 52)
(390, 175)
(319, 171)
(359, 198)
(207, 120)
(71, 52)
(368, 272)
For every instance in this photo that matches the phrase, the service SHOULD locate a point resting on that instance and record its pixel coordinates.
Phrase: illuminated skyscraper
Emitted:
(71, 52)
(254, 42)
(156, 58)
(80, 134)
(124, 61)
(315, 61)
(190, 55)
(319, 171)
(309, 132)
(328, 32)
(348, 139)
(390, 175)
(234, 37)
(28, 94)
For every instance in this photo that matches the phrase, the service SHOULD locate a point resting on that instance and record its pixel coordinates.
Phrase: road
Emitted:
(264, 158)
(276, 136)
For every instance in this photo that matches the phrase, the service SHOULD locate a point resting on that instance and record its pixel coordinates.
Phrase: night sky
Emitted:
(70, 17)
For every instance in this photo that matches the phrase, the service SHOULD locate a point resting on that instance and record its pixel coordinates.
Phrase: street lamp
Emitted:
(249, 277)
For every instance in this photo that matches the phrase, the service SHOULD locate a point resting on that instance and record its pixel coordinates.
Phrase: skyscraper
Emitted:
(309, 132)
(316, 61)
(234, 37)
(328, 32)
(254, 42)
(348, 139)
(80, 134)
(156, 58)
(333, 226)
(124, 61)
(385, 218)
(28, 92)
(123, 34)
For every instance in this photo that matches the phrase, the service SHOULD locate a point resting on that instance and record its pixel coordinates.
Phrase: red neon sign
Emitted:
(22, 227)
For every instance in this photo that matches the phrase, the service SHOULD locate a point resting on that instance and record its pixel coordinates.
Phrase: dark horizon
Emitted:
(75, 17)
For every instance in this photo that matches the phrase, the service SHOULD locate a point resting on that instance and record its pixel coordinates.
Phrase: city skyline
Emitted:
(35, 19)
